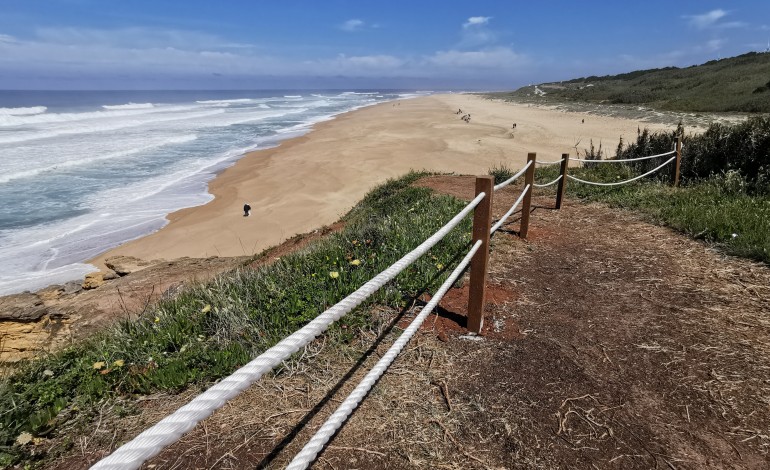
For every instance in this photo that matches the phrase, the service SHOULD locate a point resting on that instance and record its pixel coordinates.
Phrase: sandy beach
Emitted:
(311, 181)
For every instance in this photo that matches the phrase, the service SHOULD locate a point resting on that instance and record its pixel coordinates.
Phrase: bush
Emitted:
(501, 173)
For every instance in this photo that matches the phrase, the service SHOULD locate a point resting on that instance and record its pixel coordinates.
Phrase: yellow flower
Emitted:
(119, 363)
(206, 309)
(157, 319)
(355, 262)
(334, 274)
(440, 266)
(99, 365)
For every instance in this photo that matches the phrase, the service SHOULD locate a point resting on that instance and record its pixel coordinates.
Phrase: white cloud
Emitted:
(360, 64)
(711, 20)
(496, 58)
(143, 53)
(353, 25)
(714, 45)
(706, 19)
(476, 21)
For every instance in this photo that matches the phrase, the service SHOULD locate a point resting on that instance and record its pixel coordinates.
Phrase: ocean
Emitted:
(84, 171)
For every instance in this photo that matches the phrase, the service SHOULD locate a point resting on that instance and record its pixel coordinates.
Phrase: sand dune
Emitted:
(311, 181)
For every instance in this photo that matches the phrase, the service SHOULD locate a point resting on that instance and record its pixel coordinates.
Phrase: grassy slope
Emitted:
(740, 84)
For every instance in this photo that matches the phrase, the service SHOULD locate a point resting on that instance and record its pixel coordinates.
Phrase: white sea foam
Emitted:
(97, 122)
(129, 106)
(80, 160)
(225, 102)
(22, 111)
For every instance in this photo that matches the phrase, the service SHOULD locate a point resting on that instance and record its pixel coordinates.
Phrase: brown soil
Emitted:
(608, 343)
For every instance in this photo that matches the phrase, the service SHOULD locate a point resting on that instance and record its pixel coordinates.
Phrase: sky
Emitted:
(360, 44)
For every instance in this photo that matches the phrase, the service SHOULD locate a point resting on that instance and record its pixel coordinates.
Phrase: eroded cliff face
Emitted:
(54, 317)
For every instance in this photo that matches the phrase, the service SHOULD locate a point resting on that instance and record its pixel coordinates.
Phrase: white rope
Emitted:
(150, 442)
(547, 184)
(308, 453)
(550, 163)
(623, 160)
(510, 211)
(626, 181)
(510, 180)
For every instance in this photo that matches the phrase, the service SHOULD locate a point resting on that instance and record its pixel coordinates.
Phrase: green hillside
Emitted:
(736, 84)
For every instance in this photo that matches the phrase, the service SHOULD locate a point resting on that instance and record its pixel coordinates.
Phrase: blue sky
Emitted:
(194, 44)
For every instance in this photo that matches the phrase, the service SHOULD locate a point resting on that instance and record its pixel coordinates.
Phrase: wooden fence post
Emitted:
(563, 181)
(529, 179)
(678, 160)
(482, 223)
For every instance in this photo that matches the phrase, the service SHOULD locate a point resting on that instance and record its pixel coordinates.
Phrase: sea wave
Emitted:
(80, 161)
(97, 122)
(23, 111)
(129, 106)
(226, 102)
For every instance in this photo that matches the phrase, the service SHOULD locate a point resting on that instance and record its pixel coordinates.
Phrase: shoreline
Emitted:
(312, 180)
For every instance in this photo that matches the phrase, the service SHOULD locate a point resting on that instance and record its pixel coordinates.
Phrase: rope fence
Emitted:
(502, 220)
(624, 160)
(170, 429)
(308, 453)
(555, 162)
(545, 185)
(513, 178)
(618, 183)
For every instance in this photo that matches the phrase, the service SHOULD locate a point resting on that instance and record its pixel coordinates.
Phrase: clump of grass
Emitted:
(208, 330)
(501, 172)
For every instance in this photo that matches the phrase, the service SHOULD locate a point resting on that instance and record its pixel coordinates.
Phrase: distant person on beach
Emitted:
(246, 209)
(583, 121)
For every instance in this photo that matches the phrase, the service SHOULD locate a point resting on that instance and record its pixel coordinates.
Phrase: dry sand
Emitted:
(311, 181)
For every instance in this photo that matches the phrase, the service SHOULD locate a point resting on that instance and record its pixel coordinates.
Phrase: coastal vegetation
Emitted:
(724, 197)
(735, 84)
(207, 331)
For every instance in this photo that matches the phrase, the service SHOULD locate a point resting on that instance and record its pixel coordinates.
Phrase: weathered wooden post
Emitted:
(482, 223)
(529, 179)
(563, 181)
(678, 160)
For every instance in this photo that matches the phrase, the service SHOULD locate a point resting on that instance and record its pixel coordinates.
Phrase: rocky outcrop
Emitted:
(60, 314)
(24, 307)
(93, 280)
(123, 265)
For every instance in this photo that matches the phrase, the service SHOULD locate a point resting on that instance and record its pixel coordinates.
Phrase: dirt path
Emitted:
(609, 343)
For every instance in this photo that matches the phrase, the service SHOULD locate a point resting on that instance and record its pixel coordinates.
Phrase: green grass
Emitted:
(727, 85)
(209, 330)
(718, 209)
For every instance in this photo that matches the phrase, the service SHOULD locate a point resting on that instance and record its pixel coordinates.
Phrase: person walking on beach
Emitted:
(246, 209)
